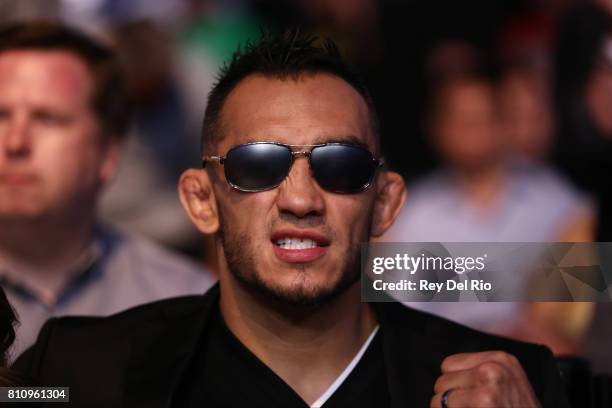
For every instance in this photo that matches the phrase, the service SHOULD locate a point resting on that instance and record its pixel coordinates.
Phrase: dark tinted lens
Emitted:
(257, 167)
(342, 168)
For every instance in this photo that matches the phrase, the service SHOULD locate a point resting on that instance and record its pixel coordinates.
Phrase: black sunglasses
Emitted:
(337, 167)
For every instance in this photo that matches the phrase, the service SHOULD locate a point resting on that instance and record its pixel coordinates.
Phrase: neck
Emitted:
(45, 245)
(483, 185)
(307, 347)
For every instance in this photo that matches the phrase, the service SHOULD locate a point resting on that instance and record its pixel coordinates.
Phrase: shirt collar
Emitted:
(21, 280)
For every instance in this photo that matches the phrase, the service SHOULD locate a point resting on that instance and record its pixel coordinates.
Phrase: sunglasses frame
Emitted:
(306, 153)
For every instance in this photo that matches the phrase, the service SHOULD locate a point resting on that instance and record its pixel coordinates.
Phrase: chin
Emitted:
(303, 289)
(20, 212)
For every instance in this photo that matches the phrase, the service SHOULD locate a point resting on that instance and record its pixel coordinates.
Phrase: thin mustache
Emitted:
(308, 221)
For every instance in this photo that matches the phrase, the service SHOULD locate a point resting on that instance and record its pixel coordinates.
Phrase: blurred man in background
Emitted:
(485, 192)
(526, 113)
(63, 113)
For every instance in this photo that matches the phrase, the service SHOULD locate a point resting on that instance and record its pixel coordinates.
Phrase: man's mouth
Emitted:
(299, 246)
(17, 179)
(296, 243)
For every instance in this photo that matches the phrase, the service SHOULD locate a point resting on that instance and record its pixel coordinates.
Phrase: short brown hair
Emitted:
(109, 99)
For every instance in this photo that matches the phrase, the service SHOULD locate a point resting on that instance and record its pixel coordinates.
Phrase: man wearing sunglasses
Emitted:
(293, 182)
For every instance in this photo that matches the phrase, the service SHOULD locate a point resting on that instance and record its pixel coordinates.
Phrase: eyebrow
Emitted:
(347, 139)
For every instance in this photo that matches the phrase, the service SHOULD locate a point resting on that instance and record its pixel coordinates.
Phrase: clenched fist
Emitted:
(486, 379)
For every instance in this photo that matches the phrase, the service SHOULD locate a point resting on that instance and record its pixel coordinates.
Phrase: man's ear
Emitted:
(111, 156)
(198, 199)
(390, 198)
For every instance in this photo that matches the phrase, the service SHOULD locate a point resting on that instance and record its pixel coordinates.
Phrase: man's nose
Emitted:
(299, 194)
(17, 141)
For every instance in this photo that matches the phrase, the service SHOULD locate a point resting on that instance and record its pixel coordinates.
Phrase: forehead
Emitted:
(41, 76)
(310, 109)
(455, 94)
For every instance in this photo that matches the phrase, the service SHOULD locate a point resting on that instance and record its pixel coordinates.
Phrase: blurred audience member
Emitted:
(584, 151)
(524, 48)
(62, 118)
(526, 113)
(485, 194)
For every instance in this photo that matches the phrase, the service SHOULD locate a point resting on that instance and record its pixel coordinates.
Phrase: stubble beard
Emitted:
(241, 263)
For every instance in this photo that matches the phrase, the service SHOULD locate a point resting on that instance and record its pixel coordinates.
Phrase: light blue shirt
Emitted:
(535, 205)
(127, 271)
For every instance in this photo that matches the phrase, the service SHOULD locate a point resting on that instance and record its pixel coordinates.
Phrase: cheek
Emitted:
(246, 214)
(69, 163)
(350, 221)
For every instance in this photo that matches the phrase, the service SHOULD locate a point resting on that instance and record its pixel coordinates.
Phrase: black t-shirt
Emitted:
(224, 373)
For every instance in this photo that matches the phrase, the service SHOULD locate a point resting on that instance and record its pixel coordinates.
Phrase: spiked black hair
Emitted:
(288, 55)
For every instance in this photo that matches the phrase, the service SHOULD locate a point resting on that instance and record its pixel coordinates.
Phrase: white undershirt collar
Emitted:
(347, 371)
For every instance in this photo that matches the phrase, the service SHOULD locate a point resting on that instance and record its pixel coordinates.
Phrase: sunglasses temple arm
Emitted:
(207, 159)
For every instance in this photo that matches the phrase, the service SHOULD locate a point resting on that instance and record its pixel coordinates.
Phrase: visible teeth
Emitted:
(296, 243)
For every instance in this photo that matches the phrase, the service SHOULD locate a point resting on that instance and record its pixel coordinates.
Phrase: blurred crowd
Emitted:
(498, 114)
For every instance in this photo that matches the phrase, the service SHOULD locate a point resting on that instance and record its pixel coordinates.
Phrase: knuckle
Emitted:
(446, 363)
(505, 358)
(512, 360)
(490, 372)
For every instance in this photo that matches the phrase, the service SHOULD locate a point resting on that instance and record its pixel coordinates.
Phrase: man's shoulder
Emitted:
(147, 340)
(447, 336)
(175, 306)
(145, 252)
(139, 256)
(418, 342)
(89, 338)
(133, 322)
